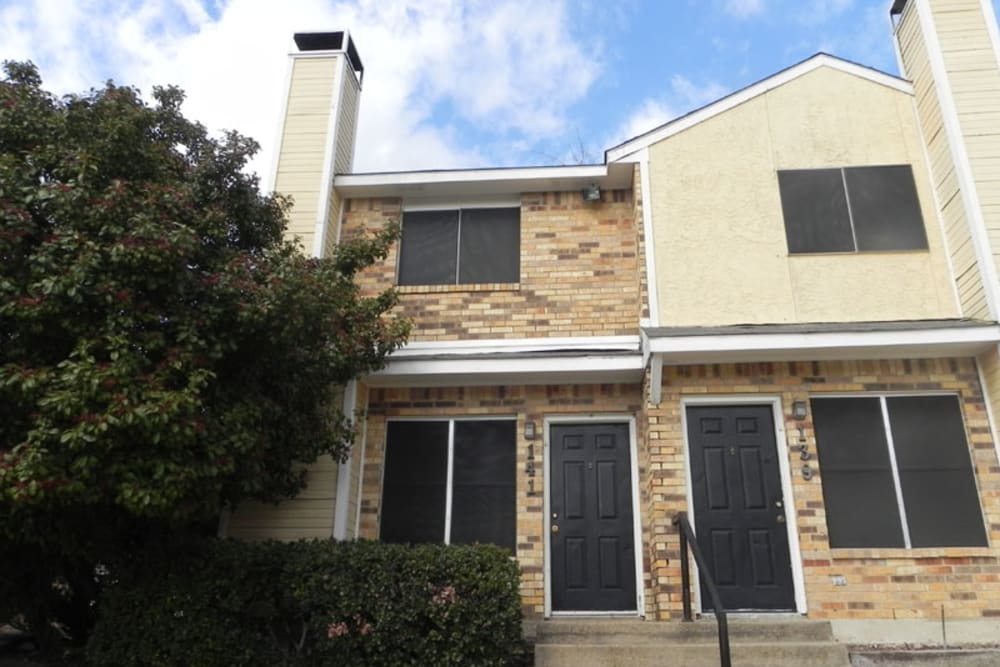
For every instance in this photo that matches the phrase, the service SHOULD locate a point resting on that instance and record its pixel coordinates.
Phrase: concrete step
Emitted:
(744, 654)
(705, 630)
(759, 641)
(977, 657)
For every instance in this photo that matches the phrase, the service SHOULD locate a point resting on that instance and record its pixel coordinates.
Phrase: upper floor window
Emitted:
(852, 209)
(459, 247)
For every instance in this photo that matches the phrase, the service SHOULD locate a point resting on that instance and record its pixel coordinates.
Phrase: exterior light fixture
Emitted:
(529, 430)
(591, 193)
(799, 410)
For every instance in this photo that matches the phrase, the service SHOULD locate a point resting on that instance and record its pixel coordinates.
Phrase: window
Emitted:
(450, 481)
(854, 209)
(897, 472)
(459, 247)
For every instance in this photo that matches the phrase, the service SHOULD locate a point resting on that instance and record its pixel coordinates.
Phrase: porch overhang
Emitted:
(577, 360)
(673, 346)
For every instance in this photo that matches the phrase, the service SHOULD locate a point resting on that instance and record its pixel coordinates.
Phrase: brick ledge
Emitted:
(475, 287)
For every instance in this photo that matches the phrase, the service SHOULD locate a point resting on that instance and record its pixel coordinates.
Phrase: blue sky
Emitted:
(449, 83)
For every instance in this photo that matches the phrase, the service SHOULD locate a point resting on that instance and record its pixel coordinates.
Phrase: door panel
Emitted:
(738, 506)
(592, 541)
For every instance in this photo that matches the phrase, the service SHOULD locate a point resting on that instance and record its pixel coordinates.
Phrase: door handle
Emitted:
(555, 528)
(781, 518)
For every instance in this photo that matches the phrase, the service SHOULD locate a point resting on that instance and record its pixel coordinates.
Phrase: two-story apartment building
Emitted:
(776, 314)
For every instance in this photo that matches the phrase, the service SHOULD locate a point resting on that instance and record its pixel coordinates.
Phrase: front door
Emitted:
(591, 539)
(739, 511)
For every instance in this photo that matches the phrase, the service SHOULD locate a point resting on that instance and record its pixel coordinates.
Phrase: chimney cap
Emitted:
(331, 41)
(319, 41)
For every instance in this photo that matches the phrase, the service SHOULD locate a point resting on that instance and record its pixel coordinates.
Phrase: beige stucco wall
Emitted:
(720, 248)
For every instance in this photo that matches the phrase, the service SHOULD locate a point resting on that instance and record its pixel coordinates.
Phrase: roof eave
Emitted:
(903, 343)
(483, 182)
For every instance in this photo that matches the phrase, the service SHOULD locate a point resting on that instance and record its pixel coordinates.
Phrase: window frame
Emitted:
(449, 475)
(894, 469)
(850, 210)
(458, 207)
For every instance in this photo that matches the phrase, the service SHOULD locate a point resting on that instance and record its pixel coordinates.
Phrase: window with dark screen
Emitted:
(897, 472)
(460, 247)
(477, 504)
(851, 209)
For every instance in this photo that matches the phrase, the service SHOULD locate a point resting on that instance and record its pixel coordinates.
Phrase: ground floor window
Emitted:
(897, 472)
(450, 481)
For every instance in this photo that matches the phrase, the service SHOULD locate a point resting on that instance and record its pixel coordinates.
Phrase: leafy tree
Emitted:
(164, 352)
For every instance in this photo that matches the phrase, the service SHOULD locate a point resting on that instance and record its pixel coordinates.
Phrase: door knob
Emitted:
(555, 528)
(781, 518)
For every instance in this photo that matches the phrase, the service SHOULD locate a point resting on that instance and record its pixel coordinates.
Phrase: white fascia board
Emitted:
(624, 150)
(914, 343)
(481, 371)
(490, 346)
(482, 182)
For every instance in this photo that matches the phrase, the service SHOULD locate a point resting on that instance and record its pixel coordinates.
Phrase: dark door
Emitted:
(592, 540)
(739, 510)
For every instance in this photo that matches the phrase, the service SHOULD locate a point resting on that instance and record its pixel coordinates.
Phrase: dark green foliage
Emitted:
(314, 603)
(163, 352)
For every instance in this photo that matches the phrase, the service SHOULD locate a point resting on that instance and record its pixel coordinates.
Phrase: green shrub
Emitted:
(314, 603)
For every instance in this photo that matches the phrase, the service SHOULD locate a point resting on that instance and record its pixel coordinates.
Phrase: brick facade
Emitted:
(879, 583)
(580, 273)
(534, 402)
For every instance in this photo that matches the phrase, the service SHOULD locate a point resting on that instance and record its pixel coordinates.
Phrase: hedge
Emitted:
(314, 603)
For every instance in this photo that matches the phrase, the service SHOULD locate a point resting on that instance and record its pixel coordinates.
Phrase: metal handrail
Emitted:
(689, 543)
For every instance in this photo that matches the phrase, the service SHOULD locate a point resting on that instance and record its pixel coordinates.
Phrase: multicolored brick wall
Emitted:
(580, 273)
(532, 402)
(877, 583)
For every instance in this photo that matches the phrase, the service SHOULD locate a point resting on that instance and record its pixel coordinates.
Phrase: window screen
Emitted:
(489, 247)
(885, 209)
(483, 492)
(854, 209)
(460, 247)
(482, 505)
(414, 485)
(858, 490)
(815, 209)
(935, 471)
(940, 503)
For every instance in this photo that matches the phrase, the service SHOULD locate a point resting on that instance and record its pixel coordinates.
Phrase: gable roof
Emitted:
(635, 144)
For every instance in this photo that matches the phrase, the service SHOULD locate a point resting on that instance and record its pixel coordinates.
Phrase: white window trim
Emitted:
(450, 464)
(890, 443)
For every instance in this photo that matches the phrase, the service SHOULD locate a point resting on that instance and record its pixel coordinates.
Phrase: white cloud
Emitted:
(651, 114)
(743, 8)
(683, 96)
(511, 67)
